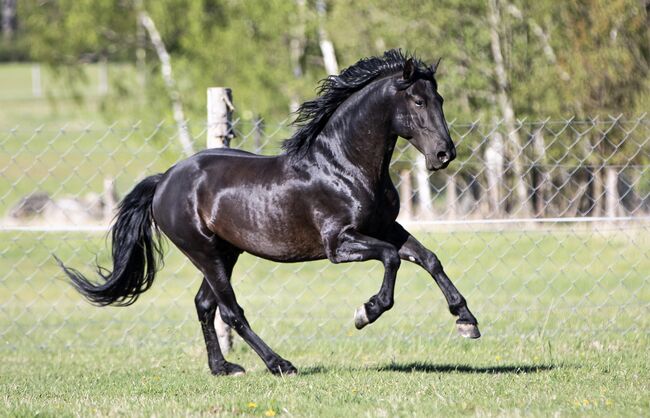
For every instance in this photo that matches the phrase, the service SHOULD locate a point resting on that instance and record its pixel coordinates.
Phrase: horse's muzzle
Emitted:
(438, 161)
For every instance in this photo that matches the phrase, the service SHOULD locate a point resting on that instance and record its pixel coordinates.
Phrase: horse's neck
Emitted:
(358, 136)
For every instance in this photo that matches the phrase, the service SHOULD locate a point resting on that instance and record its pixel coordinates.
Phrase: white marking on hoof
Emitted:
(361, 317)
(238, 374)
(468, 330)
(411, 258)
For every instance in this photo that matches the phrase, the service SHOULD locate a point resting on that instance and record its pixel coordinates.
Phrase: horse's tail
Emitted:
(136, 252)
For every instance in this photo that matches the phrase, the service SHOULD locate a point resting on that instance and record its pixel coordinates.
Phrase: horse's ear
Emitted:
(409, 69)
(434, 67)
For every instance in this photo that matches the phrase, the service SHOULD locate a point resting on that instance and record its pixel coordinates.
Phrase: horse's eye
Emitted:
(419, 102)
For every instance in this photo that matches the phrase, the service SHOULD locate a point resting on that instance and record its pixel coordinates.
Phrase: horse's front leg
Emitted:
(410, 249)
(349, 245)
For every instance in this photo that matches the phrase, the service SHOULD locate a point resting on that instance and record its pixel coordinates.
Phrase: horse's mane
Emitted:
(312, 115)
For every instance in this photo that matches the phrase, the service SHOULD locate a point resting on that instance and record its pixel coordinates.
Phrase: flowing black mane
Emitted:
(335, 89)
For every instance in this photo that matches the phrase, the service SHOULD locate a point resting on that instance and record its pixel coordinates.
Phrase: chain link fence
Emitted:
(544, 229)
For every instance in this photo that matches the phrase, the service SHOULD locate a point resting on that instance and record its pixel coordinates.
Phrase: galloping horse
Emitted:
(329, 195)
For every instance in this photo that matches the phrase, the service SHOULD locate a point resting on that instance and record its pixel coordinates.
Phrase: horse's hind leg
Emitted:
(233, 315)
(216, 265)
(206, 306)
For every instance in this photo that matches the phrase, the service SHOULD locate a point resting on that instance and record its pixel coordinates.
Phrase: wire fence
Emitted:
(544, 229)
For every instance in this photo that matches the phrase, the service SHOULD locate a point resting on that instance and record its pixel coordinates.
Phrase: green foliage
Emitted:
(581, 57)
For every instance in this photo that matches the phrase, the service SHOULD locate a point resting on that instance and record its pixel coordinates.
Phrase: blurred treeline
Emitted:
(557, 58)
(504, 62)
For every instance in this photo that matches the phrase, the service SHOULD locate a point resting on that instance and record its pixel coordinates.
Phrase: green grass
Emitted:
(19, 106)
(563, 313)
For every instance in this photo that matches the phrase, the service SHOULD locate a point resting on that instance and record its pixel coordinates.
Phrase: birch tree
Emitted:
(516, 151)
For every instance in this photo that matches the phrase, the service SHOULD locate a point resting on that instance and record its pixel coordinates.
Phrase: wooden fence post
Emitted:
(220, 132)
(220, 110)
(406, 194)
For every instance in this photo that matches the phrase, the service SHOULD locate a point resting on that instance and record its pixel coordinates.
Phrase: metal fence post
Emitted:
(219, 131)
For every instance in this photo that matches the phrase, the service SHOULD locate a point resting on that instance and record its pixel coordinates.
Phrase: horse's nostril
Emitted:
(443, 157)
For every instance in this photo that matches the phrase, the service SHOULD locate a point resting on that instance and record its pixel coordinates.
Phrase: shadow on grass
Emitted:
(456, 368)
(312, 370)
(419, 367)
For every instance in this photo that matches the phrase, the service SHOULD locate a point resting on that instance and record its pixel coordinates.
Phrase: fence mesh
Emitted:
(543, 228)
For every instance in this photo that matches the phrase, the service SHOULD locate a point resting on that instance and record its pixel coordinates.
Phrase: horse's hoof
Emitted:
(283, 368)
(468, 330)
(229, 369)
(361, 317)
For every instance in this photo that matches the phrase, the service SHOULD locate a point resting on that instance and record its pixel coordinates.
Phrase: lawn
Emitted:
(563, 316)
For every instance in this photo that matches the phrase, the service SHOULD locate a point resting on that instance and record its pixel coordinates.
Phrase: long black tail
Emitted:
(136, 252)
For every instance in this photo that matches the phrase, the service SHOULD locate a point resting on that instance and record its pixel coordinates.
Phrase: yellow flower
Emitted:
(269, 413)
(252, 405)
(609, 402)
(585, 402)
(498, 358)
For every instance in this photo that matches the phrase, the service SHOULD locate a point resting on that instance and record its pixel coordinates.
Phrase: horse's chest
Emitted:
(382, 210)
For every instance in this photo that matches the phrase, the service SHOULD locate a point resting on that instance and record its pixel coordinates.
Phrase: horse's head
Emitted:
(419, 117)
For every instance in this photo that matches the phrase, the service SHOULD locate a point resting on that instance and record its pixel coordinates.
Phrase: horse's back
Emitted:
(250, 201)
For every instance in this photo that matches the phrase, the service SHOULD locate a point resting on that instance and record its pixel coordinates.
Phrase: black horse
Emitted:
(328, 196)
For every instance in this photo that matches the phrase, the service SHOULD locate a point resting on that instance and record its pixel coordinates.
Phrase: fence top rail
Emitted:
(415, 223)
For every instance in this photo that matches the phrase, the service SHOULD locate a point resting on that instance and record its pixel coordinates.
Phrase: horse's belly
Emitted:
(268, 232)
(284, 246)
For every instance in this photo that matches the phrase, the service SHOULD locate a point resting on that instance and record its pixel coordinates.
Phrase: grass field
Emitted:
(564, 316)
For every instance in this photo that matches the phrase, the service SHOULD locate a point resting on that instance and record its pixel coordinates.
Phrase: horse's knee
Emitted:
(432, 263)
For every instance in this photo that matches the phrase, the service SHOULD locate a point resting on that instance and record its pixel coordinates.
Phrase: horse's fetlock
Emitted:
(456, 305)
(387, 304)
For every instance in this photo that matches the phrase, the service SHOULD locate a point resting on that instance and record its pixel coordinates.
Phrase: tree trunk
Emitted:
(102, 84)
(540, 189)
(8, 19)
(406, 195)
(598, 191)
(37, 81)
(296, 51)
(505, 103)
(140, 54)
(166, 71)
(326, 46)
(424, 191)
(452, 197)
(611, 192)
(494, 159)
